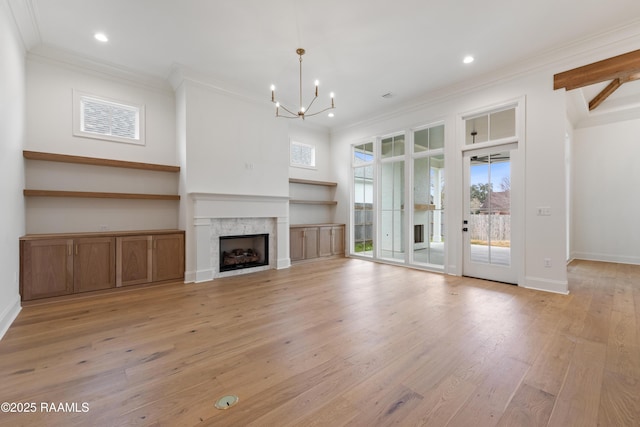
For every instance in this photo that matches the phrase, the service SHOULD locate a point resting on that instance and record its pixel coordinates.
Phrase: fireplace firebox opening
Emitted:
(243, 251)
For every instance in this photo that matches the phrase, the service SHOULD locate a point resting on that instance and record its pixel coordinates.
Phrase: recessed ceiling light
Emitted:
(330, 114)
(468, 59)
(101, 37)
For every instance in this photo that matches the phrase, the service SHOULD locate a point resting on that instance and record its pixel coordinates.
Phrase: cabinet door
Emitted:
(296, 243)
(94, 264)
(337, 240)
(168, 257)
(325, 245)
(133, 260)
(47, 268)
(311, 240)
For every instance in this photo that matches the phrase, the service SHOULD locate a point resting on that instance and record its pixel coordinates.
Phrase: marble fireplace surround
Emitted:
(216, 215)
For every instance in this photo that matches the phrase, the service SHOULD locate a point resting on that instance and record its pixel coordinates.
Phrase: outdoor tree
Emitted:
(480, 192)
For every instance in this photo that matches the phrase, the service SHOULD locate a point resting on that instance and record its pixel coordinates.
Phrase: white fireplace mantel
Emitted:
(210, 207)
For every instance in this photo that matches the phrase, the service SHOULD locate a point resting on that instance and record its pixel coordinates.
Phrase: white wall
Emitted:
(234, 146)
(544, 237)
(605, 188)
(50, 86)
(12, 111)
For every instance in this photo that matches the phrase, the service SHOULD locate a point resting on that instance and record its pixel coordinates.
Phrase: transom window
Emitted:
(100, 118)
(491, 127)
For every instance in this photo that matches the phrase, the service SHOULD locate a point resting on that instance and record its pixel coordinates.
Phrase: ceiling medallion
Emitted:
(302, 111)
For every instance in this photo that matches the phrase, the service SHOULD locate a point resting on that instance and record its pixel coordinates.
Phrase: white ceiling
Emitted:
(359, 49)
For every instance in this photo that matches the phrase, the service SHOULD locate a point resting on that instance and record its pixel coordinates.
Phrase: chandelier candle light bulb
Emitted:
(302, 111)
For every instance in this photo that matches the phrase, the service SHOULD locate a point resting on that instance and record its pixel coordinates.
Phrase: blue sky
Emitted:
(480, 173)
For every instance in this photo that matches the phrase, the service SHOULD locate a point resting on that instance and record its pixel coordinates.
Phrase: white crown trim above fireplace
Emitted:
(251, 211)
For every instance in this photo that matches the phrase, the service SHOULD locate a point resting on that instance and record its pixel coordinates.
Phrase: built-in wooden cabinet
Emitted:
(309, 241)
(168, 257)
(135, 258)
(47, 268)
(303, 243)
(331, 240)
(55, 265)
(94, 261)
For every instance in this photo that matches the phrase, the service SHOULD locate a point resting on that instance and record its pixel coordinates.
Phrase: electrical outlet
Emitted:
(104, 227)
(547, 262)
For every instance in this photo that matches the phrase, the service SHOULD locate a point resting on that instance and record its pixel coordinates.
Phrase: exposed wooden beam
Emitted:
(599, 98)
(621, 66)
(631, 77)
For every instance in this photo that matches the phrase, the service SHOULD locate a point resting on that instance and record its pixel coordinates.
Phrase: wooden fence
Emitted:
(494, 227)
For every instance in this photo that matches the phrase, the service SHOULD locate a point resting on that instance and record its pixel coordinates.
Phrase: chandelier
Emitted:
(302, 111)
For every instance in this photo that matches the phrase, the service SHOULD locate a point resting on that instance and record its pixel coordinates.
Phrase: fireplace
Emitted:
(243, 251)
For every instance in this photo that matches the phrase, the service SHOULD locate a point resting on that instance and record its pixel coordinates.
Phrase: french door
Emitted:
(488, 213)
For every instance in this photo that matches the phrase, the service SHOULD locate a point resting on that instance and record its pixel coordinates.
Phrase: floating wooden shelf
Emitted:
(311, 182)
(65, 158)
(99, 195)
(314, 202)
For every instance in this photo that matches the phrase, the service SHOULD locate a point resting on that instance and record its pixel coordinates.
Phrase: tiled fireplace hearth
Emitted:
(223, 215)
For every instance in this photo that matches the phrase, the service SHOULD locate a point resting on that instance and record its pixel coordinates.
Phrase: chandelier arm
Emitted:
(288, 111)
(311, 103)
(320, 112)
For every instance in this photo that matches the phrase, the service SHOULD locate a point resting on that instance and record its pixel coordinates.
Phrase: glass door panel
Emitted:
(428, 213)
(363, 211)
(392, 210)
(489, 215)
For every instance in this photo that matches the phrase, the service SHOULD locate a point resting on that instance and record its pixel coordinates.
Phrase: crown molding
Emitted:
(24, 16)
(180, 74)
(61, 57)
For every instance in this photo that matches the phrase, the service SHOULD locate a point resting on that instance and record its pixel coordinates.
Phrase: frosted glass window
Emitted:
(110, 119)
(303, 155)
(99, 118)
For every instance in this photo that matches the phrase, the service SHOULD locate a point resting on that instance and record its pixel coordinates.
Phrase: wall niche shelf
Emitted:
(94, 161)
(99, 195)
(312, 182)
(314, 202)
(304, 182)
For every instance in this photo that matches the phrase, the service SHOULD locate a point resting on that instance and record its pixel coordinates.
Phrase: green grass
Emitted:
(363, 246)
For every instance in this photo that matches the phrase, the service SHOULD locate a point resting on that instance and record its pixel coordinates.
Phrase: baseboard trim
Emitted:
(204, 275)
(283, 263)
(540, 284)
(618, 259)
(9, 314)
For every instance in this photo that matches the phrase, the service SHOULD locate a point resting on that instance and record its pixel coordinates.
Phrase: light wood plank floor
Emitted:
(331, 343)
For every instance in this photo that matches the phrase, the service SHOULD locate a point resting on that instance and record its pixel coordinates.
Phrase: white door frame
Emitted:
(517, 183)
